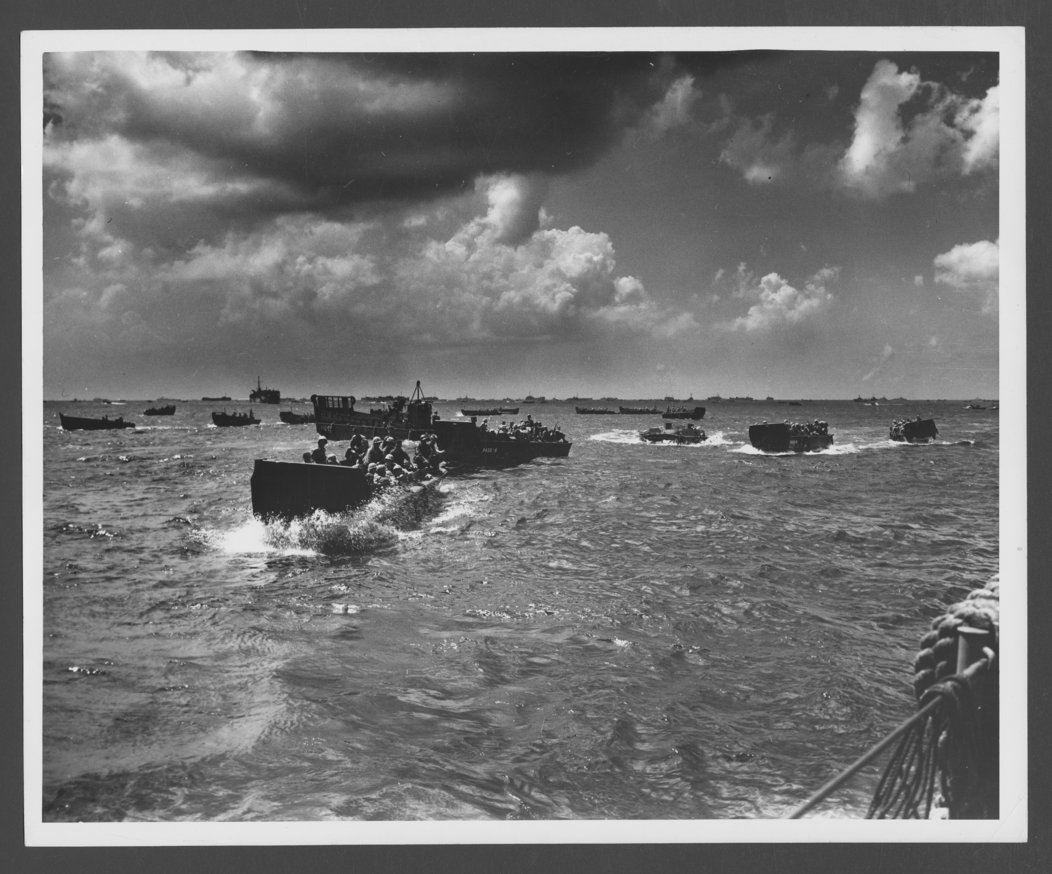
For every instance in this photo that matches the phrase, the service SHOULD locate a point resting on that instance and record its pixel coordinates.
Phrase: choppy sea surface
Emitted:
(635, 632)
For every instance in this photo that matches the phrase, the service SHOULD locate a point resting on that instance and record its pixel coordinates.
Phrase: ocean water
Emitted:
(635, 632)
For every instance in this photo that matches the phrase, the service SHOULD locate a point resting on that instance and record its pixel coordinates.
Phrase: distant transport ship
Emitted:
(291, 418)
(168, 410)
(80, 423)
(223, 398)
(592, 411)
(684, 413)
(410, 418)
(234, 420)
(260, 395)
(689, 433)
(489, 411)
(790, 437)
(916, 431)
(639, 411)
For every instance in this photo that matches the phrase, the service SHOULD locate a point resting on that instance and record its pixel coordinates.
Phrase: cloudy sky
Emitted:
(797, 223)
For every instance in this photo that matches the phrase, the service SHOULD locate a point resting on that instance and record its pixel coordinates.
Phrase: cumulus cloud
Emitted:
(514, 206)
(982, 119)
(674, 109)
(945, 134)
(972, 268)
(906, 132)
(779, 305)
(498, 276)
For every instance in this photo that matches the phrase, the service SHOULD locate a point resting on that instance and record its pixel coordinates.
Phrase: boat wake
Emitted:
(460, 511)
(631, 438)
(379, 525)
(835, 449)
(619, 436)
(325, 533)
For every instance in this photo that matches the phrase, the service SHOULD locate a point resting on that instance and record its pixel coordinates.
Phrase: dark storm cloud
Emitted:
(331, 130)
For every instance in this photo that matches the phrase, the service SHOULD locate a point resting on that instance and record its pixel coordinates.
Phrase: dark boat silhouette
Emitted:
(788, 437)
(291, 418)
(592, 411)
(409, 418)
(234, 420)
(916, 431)
(287, 489)
(639, 411)
(82, 423)
(160, 411)
(484, 411)
(689, 433)
(684, 413)
(260, 395)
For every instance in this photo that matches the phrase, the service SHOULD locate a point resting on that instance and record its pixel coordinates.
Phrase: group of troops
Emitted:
(815, 427)
(384, 459)
(527, 429)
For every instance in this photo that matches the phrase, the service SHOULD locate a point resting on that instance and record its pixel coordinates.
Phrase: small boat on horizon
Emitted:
(168, 410)
(291, 418)
(684, 413)
(234, 420)
(83, 423)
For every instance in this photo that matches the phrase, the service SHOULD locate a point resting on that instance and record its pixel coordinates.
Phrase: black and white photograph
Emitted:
(475, 436)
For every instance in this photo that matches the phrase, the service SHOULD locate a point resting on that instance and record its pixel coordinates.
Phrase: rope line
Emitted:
(909, 780)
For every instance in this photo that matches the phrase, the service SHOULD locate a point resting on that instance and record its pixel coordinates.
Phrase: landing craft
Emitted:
(786, 437)
(465, 443)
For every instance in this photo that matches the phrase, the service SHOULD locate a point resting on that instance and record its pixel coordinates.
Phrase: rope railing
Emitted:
(938, 757)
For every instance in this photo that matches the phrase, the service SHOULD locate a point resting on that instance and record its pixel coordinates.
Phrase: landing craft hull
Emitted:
(923, 431)
(683, 413)
(465, 444)
(680, 435)
(285, 489)
(78, 423)
(780, 438)
(462, 443)
(233, 420)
